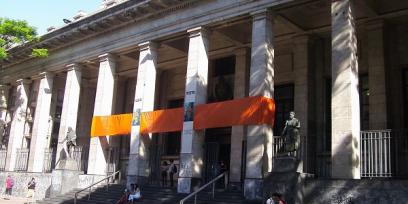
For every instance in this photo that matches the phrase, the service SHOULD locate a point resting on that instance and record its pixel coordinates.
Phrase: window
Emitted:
(364, 93)
(284, 104)
(222, 81)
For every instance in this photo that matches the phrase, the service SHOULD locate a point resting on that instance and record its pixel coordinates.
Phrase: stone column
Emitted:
(261, 83)
(238, 132)
(376, 76)
(302, 86)
(17, 122)
(4, 94)
(191, 154)
(69, 107)
(104, 105)
(345, 97)
(40, 125)
(138, 168)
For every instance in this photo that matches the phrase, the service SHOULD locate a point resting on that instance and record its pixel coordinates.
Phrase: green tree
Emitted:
(16, 32)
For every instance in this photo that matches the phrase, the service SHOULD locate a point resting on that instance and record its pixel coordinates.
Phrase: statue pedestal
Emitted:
(65, 177)
(68, 164)
(286, 164)
(286, 178)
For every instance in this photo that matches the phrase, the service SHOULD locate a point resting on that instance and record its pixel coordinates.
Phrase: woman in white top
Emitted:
(134, 193)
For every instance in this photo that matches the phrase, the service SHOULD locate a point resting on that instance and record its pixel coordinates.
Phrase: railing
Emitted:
(113, 155)
(278, 145)
(49, 158)
(22, 159)
(376, 153)
(80, 155)
(113, 176)
(3, 156)
(212, 182)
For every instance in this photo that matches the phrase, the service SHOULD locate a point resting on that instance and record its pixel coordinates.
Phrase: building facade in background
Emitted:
(340, 65)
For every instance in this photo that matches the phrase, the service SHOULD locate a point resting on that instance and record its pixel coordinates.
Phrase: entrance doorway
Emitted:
(217, 149)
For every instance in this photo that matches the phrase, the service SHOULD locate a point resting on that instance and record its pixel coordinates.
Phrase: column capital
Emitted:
(43, 75)
(262, 14)
(73, 66)
(148, 45)
(23, 81)
(194, 32)
(301, 39)
(107, 57)
(377, 24)
(240, 51)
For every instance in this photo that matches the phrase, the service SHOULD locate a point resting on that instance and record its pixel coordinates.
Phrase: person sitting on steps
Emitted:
(135, 194)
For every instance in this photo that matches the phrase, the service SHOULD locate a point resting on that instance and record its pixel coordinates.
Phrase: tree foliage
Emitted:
(16, 32)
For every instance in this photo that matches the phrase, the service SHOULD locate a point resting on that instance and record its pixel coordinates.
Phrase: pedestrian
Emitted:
(276, 198)
(135, 194)
(31, 189)
(223, 168)
(171, 171)
(9, 186)
(164, 167)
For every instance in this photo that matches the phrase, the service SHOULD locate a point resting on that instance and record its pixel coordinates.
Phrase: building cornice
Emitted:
(111, 18)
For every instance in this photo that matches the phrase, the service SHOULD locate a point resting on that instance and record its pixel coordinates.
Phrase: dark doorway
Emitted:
(217, 149)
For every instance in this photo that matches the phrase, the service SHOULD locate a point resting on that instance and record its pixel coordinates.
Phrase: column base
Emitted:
(188, 185)
(253, 189)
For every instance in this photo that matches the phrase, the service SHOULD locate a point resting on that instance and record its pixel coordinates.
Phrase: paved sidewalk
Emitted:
(13, 200)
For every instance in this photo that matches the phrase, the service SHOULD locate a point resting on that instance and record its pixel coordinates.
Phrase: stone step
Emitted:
(151, 195)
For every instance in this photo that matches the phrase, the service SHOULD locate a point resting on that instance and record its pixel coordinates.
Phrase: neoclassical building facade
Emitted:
(341, 65)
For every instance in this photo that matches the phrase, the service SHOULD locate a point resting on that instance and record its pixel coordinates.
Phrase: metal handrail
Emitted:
(90, 186)
(205, 186)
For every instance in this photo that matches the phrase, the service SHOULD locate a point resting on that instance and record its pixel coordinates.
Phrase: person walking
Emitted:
(31, 189)
(9, 186)
(171, 171)
(164, 168)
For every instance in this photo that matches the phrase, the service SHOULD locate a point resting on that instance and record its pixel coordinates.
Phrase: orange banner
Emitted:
(246, 111)
(111, 125)
(169, 120)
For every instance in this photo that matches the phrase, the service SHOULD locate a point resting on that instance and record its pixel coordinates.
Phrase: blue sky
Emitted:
(45, 13)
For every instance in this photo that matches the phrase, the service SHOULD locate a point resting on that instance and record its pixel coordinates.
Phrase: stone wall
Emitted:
(86, 180)
(43, 183)
(355, 191)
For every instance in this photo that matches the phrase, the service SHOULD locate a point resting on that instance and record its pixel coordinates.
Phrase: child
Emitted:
(275, 199)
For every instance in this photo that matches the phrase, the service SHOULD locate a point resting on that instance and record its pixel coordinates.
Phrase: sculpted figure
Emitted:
(291, 134)
(69, 142)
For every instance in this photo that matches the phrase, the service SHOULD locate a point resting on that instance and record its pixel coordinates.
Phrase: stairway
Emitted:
(151, 195)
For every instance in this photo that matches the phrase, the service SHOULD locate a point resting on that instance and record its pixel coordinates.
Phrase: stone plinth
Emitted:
(67, 164)
(285, 164)
(64, 180)
(286, 178)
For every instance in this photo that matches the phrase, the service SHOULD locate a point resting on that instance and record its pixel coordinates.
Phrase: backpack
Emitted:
(11, 183)
(174, 170)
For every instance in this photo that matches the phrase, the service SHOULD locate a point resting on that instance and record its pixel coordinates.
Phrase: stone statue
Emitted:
(69, 142)
(291, 134)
